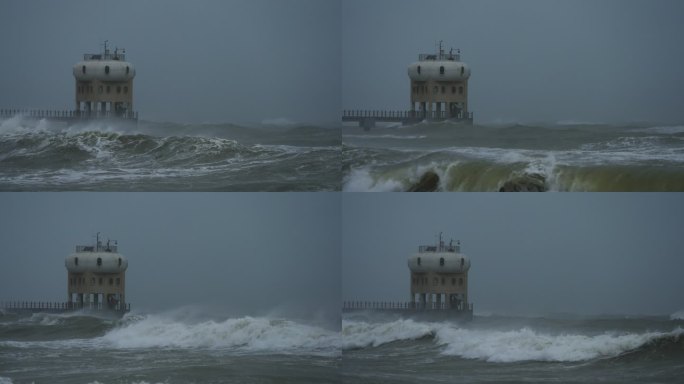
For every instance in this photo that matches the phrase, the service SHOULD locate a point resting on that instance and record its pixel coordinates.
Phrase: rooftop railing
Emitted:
(437, 56)
(104, 56)
(93, 248)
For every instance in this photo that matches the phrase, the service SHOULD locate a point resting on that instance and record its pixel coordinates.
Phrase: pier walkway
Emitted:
(68, 116)
(60, 307)
(367, 118)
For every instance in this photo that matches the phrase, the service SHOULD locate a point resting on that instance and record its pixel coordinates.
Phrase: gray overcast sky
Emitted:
(531, 60)
(531, 254)
(196, 61)
(241, 253)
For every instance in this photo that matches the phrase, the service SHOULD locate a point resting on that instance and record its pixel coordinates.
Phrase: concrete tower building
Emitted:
(97, 277)
(439, 86)
(104, 85)
(439, 277)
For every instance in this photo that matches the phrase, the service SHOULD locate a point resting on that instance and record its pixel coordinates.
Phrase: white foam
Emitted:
(246, 334)
(527, 345)
(360, 180)
(499, 346)
(5, 380)
(360, 334)
(679, 315)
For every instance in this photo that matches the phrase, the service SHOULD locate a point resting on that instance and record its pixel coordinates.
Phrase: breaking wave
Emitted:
(679, 315)
(507, 346)
(245, 335)
(462, 172)
(35, 155)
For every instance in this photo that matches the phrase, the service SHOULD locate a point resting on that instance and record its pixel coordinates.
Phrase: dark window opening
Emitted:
(462, 71)
(419, 261)
(441, 261)
(107, 69)
(75, 260)
(119, 261)
(442, 89)
(118, 281)
(83, 69)
(125, 89)
(127, 70)
(442, 281)
(418, 69)
(99, 261)
(460, 281)
(460, 90)
(441, 70)
(462, 261)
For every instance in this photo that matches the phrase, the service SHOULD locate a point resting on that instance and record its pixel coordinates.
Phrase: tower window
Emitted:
(460, 90)
(107, 69)
(99, 261)
(453, 89)
(119, 261)
(100, 89)
(125, 89)
(435, 89)
(441, 261)
(442, 89)
(118, 281)
(418, 261)
(434, 281)
(441, 70)
(111, 281)
(460, 281)
(462, 262)
(83, 69)
(418, 69)
(127, 69)
(462, 71)
(75, 260)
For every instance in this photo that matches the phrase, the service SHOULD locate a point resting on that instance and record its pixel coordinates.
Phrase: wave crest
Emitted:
(246, 334)
(504, 346)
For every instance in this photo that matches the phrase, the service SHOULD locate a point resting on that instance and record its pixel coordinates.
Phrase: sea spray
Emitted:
(243, 335)
(500, 346)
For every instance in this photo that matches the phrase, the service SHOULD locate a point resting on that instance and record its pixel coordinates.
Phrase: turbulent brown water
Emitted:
(105, 156)
(565, 157)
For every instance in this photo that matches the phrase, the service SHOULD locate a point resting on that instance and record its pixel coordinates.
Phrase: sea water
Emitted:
(495, 349)
(165, 348)
(566, 156)
(40, 155)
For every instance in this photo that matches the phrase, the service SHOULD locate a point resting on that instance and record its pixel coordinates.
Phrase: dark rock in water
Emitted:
(427, 183)
(527, 183)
